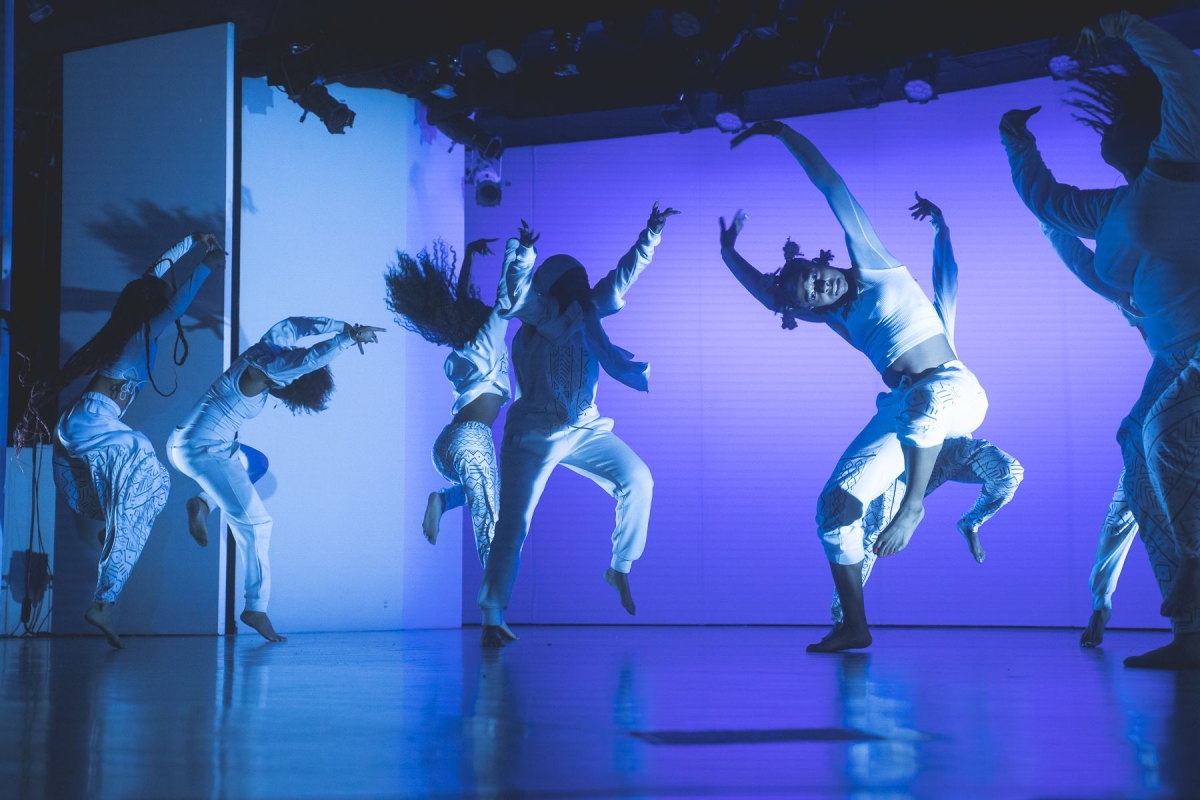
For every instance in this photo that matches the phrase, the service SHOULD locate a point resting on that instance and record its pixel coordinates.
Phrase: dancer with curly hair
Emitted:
(557, 355)
(1147, 110)
(881, 311)
(105, 469)
(962, 459)
(205, 445)
(427, 298)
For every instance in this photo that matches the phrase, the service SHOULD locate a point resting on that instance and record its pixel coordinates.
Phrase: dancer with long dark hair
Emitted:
(427, 298)
(204, 446)
(557, 356)
(105, 469)
(879, 309)
(1146, 245)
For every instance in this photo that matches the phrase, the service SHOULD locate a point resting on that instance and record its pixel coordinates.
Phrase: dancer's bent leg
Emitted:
(601, 456)
(466, 456)
(967, 460)
(1116, 536)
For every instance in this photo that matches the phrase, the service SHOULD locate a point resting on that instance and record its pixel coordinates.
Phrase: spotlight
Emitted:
(731, 112)
(38, 9)
(503, 53)
(336, 115)
(684, 23)
(681, 115)
(465, 131)
(566, 45)
(1062, 59)
(484, 174)
(446, 72)
(919, 77)
(867, 90)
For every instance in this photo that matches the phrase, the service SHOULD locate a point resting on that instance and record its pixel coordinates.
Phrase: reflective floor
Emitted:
(590, 712)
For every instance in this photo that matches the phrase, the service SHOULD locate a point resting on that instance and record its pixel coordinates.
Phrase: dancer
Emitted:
(199, 506)
(1120, 526)
(204, 446)
(557, 355)
(425, 298)
(881, 311)
(105, 469)
(1146, 241)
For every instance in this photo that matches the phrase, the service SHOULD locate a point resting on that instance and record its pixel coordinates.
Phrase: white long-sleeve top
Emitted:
(1082, 263)
(556, 372)
(132, 364)
(221, 412)
(481, 366)
(1147, 237)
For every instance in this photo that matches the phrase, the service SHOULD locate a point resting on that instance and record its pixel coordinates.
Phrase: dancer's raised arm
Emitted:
(609, 292)
(945, 268)
(288, 362)
(1081, 261)
(517, 298)
(758, 284)
(214, 259)
(477, 247)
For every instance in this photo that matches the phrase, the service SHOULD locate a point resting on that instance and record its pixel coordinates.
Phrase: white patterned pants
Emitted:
(526, 460)
(465, 455)
(1116, 536)
(961, 460)
(219, 471)
(1160, 443)
(945, 404)
(108, 471)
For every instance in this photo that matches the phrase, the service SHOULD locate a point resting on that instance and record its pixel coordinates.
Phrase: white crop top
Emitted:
(890, 316)
(481, 366)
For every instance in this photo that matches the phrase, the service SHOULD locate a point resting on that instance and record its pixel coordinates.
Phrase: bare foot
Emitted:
(896, 535)
(620, 582)
(837, 626)
(842, 638)
(100, 616)
(1184, 596)
(972, 537)
(1093, 634)
(494, 637)
(433, 516)
(262, 623)
(1181, 654)
(197, 511)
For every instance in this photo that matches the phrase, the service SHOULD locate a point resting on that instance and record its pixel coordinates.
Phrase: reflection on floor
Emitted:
(590, 712)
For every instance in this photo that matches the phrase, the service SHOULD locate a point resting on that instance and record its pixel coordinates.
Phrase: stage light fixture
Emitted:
(867, 90)
(446, 72)
(684, 23)
(485, 175)
(566, 46)
(1062, 60)
(470, 134)
(681, 115)
(731, 112)
(38, 10)
(920, 75)
(315, 98)
(502, 61)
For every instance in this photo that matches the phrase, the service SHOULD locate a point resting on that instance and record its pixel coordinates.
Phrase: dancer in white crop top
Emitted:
(881, 311)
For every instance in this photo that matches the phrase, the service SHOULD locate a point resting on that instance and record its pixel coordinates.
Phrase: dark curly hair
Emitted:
(308, 393)
(139, 302)
(1122, 86)
(785, 280)
(423, 295)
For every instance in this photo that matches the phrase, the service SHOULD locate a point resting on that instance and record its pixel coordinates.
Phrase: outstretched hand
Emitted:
(364, 334)
(526, 235)
(729, 235)
(659, 218)
(480, 247)
(1014, 124)
(768, 127)
(922, 209)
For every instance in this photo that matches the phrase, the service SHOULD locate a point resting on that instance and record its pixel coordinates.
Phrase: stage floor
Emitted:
(592, 712)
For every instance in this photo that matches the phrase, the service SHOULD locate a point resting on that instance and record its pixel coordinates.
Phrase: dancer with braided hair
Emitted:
(428, 299)
(879, 309)
(107, 470)
(1147, 111)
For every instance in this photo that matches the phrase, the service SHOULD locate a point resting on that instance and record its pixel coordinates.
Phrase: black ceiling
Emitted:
(789, 57)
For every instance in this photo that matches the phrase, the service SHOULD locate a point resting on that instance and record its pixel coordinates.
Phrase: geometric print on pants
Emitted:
(961, 460)
(127, 488)
(1160, 444)
(1116, 536)
(465, 454)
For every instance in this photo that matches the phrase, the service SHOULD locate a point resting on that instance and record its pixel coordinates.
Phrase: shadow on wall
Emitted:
(140, 237)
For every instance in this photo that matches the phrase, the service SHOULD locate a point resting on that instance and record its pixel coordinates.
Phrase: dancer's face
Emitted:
(572, 287)
(820, 286)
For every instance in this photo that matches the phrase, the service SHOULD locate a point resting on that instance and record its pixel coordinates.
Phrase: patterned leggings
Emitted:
(1160, 442)
(962, 460)
(465, 455)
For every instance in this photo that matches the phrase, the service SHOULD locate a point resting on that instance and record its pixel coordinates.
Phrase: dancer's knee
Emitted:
(843, 545)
